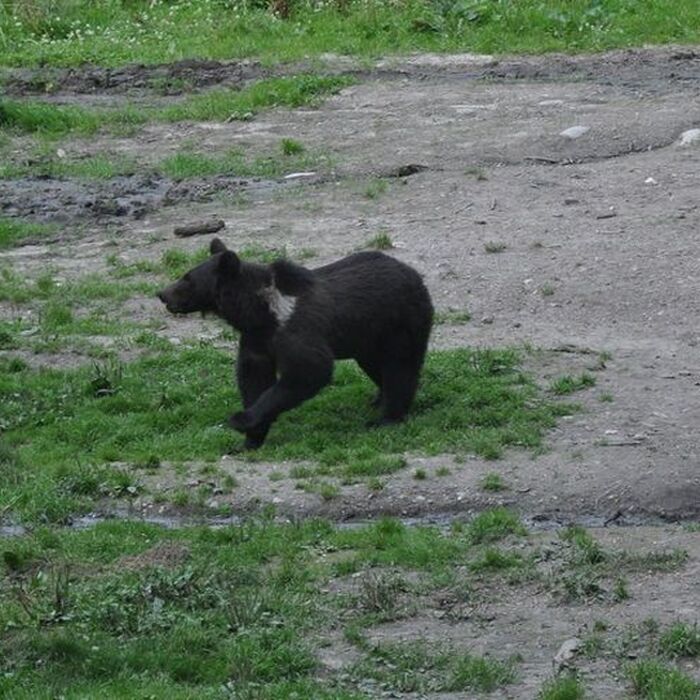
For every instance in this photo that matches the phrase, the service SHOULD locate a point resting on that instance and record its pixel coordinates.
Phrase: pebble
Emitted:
(573, 132)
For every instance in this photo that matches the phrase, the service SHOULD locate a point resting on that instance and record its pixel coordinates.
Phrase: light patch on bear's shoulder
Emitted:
(281, 305)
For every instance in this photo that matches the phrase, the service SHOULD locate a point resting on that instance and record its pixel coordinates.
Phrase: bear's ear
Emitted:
(229, 263)
(217, 246)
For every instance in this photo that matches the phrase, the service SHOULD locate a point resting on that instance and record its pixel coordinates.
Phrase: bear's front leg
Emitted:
(303, 375)
(255, 372)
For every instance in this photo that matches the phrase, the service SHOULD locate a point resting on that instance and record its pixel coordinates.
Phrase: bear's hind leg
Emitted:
(373, 370)
(400, 384)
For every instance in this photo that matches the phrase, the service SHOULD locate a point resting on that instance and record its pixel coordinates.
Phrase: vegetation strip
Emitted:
(72, 33)
(28, 116)
(171, 405)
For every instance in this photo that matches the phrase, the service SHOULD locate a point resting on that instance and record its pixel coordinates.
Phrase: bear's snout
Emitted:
(165, 295)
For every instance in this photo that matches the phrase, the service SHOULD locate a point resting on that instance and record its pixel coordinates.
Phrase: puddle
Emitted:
(442, 521)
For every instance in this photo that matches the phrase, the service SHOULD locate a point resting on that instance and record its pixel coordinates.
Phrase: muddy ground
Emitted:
(599, 256)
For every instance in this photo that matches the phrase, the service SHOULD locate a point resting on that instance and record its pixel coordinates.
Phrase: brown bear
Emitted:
(294, 322)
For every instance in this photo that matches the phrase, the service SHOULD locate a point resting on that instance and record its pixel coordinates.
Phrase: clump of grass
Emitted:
(382, 241)
(568, 384)
(493, 525)
(379, 593)
(652, 680)
(478, 174)
(586, 549)
(374, 465)
(495, 247)
(564, 688)
(493, 482)
(680, 640)
(291, 147)
(375, 188)
(420, 475)
(492, 559)
(547, 289)
(14, 231)
(452, 317)
(413, 667)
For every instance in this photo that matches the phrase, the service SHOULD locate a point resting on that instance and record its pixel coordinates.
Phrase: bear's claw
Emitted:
(241, 421)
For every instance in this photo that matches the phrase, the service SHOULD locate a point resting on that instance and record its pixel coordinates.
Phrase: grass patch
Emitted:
(566, 688)
(452, 317)
(183, 165)
(382, 241)
(235, 163)
(568, 384)
(14, 231)
(652, 680)
(415, 667)
(375, 188)
(681, 640)
(493, 482)
(29, 116)
(173, 404)
(181, 613)
(494, 525)
(72, 33)
(589, 571)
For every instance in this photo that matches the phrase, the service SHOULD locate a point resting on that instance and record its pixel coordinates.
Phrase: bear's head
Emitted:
(225, 285)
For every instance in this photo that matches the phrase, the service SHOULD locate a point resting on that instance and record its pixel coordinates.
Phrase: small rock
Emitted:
(487, 320)
(689, 137)
(550, 103)
(571, 200)
(566, 652)
(573, 132)
(610, 214)
(297, 176)
(650, 181)
(61, 153)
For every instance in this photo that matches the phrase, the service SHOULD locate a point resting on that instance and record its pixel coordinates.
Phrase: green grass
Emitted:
(493, 482)
(568, 384)
(382, 241)
(493, 525)
(652, 680)
(416, 667)
(99, 167)
(452, 317)
(185, 164)
(95, 610)
(565, 688)
(189, 164)
(680, 640)
(29, 116)
(172, 405)
(588, 571)
(112, 33)
(14, 231)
